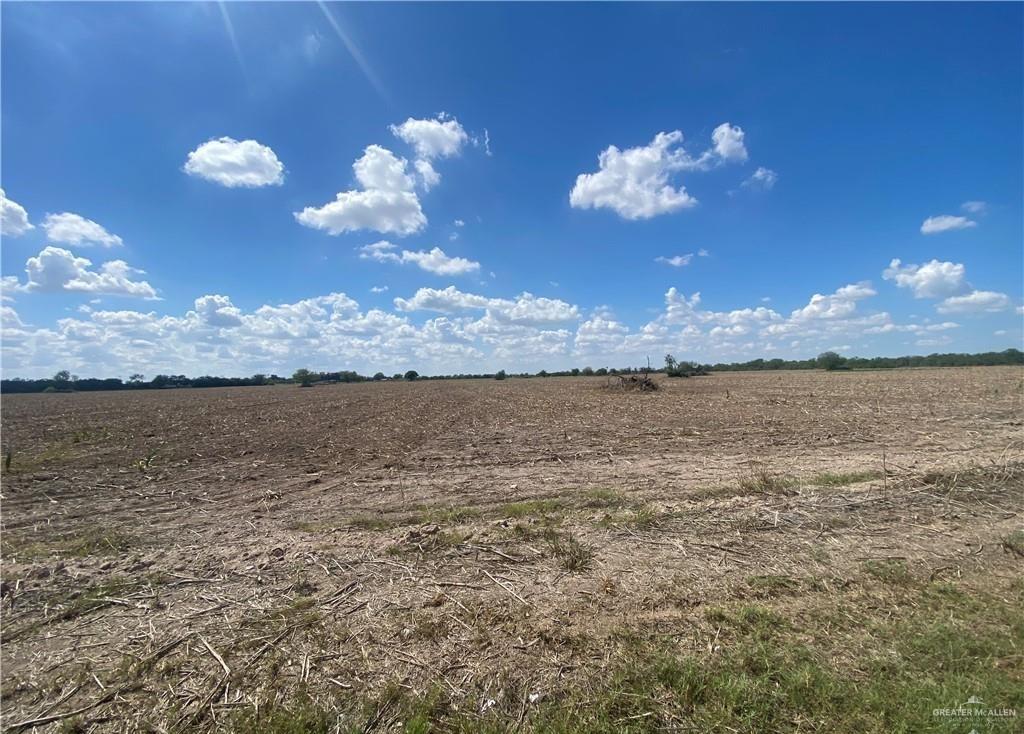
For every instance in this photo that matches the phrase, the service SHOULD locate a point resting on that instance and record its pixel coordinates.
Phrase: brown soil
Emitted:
(172, 556)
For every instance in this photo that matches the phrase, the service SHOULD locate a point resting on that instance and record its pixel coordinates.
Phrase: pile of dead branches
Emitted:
(633, 383)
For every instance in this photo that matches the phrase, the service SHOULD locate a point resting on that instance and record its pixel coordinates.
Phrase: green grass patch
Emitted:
(372, 522)
(571, 553)
(603, 497)
(890, 571)
(762, 480)
(68, 606)
(89, 541)
(1014, 543)
(529, 508)
(772, 585)
(643, 517)
(863, 663)
(842, 479)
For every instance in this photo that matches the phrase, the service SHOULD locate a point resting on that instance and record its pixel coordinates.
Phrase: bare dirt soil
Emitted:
(188, 560)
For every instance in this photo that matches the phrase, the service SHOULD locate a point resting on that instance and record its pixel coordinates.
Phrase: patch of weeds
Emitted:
(574, 555)
(452, 515)
(525, 533)
(300, 611)
(425, 626)
(76, 604)
(771, 585)
(1014, 543)
(296, 715)
(640, 518)
(371, 522)
(145, 463)
(889, 570)
(762, 480)
(434, 542)
(531, 507)
(842, 479)
(836, 522)
(84, 435)
(602, 497)
(312, 527)
(90, 541)
(973, 478)
(770, 671)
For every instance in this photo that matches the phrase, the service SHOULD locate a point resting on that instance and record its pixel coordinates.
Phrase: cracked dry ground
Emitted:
(185, 560)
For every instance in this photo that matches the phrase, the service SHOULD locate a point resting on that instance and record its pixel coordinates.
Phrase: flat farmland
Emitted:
(773, 551)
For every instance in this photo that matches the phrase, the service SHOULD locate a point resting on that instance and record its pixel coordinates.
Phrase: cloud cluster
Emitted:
(235, 163)
(525, 309)
(934, 279)
(946, 280)
(454, 331)
(636, 183)
(388, 202)
(55, 269)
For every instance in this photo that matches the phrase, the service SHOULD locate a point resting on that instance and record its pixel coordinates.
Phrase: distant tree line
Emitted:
(833, 361)
(64, 381)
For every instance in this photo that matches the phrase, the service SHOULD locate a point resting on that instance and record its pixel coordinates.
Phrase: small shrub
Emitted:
(762, 480)
(574, 555)
(1014, 543)
(890, 570)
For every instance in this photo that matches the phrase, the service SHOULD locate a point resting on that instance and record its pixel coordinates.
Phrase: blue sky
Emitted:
(543, 185)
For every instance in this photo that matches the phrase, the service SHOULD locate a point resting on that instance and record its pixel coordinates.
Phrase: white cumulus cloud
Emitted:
(728, 140)
(13, 217)
(72, 229)
(934, 279)
(976, 302)
(433, 261)
(762, 178)
(974, 207)
(218, 311)
(945, 223)
(524, 309)
(233, 163)
(676, 261)
(636, 182)
(386, 203)
(840, 304)
(438, 138)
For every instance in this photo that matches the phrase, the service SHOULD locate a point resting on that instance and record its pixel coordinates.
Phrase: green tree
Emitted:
(412, 375)
(830, 361)
(304, 377)
(378, 377)
(500, 375)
